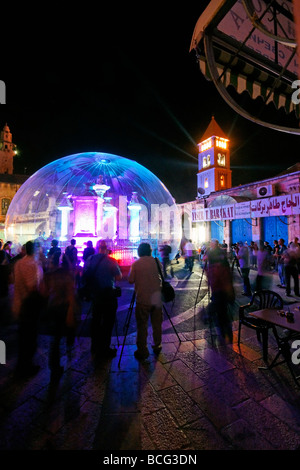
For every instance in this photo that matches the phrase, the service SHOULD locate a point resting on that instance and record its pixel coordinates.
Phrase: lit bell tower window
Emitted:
(214, 173)
(221, 159)
(4, 206)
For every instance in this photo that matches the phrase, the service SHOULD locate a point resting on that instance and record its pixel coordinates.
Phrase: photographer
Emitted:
(147, 283)
(105, 271)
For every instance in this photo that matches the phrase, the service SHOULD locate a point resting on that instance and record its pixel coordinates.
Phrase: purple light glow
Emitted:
(97, 189)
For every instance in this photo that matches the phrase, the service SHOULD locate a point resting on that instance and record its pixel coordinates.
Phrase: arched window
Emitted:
(208, 160)
(206, 183)
(221, 159)
(4, 205)
(204, 162)
(222, 180)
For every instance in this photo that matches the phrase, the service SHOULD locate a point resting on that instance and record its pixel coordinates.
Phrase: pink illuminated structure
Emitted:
(94, 196)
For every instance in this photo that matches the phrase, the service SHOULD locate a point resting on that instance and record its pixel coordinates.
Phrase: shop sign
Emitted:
(267, 207)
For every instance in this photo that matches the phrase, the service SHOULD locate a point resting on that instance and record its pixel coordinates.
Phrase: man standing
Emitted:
(88, 251)
(165, 251)
(291, 257)
(243, 257)
(54, 255)
(27, 306)
(189, 252)
(280, 260)
(103, 271)
(222, 293)
(70, 257)
(224, 247)
(147, 283)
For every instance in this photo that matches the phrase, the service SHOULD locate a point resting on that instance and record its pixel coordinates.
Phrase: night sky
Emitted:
(123, 81)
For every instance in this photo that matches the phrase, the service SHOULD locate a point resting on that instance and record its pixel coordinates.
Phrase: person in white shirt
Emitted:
(189, 253)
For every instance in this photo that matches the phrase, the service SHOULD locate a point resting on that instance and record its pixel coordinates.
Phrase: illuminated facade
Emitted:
(263, 210)
(9, 182)
(92, 196)
(214, 171)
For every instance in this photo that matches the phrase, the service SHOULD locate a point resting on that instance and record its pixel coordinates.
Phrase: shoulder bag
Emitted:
(167, 290)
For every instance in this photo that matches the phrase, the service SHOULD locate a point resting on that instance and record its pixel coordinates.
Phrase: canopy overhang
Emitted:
(235, 49)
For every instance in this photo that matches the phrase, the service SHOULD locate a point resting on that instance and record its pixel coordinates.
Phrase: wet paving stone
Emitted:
(213, 406)
(164, 432)
(198, 394)
(271, 427)
(183, 375)
(204, 436)
(181, 406)
(242, 437)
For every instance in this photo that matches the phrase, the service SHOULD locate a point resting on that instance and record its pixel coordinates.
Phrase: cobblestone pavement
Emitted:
(198, 394)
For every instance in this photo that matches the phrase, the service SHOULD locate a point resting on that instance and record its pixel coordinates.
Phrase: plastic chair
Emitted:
(260, 300)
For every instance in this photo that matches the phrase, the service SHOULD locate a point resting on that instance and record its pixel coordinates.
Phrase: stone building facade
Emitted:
(264, 210)
(9, 182)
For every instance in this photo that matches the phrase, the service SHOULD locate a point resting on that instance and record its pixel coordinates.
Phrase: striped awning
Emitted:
(246, 77)
(235, 49)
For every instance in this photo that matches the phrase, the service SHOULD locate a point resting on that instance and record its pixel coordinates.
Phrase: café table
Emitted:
(278, 318)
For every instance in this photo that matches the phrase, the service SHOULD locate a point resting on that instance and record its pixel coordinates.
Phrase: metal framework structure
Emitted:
(251, 48)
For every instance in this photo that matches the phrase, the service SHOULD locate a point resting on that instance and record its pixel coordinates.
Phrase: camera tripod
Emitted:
(128, 318)
(203, 269)
(209, 317)
(235, 262)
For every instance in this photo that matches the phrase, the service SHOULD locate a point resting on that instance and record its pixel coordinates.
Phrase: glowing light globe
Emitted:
(92, 196)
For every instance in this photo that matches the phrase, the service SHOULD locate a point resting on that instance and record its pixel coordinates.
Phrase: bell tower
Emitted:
(214, 172)
(7, 151)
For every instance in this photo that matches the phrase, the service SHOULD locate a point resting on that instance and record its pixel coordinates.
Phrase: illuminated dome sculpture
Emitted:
(92, 196)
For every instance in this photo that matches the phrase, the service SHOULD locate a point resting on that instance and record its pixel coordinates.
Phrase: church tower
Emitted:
(214, 172)
(7, 151)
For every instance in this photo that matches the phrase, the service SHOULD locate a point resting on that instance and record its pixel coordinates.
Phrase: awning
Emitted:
(246, 77)
(236, 50)
(226, 200)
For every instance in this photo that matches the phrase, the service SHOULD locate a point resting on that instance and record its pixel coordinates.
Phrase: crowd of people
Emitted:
(36, 285)
(46, 286)
(283, 258)
(42, 286)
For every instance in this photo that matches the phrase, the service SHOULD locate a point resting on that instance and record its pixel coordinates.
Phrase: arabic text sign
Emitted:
(267, 207)
(280, 205)
(242, 210)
